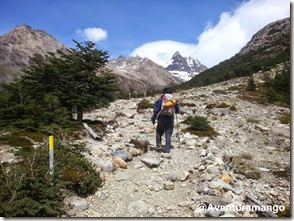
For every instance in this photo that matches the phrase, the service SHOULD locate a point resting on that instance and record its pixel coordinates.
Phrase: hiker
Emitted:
(163, 110)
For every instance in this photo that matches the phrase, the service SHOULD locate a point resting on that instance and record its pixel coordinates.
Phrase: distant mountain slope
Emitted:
(184, 68)
(17, 46)
(267, 48)
(140, 74)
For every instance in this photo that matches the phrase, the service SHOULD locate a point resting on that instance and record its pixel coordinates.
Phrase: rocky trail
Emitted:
(199, 169)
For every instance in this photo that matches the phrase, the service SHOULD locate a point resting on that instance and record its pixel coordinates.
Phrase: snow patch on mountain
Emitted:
(183, 67)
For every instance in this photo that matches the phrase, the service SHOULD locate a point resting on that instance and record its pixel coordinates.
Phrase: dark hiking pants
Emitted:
(165, 125)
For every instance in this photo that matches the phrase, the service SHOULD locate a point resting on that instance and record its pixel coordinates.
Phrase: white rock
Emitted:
(261, 127)
(169, 185)
(201, 168)
(138, 208)
(264, 169)
(220, 184)
(105, 165)
(203, 153)
(212, 169)
(184, 176)
(151, 162)
(79, 205)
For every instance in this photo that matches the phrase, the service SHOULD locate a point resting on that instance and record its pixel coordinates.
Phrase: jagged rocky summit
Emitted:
(184, 68)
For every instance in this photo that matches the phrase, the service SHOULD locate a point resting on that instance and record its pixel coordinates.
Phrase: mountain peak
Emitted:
(183, 67)
(177, 53)
(19, 45)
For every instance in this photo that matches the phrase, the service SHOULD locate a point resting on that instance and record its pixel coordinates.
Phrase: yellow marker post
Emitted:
(51, 155)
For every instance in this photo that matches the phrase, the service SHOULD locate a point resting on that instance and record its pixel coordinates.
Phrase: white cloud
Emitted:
(92, 34)
(223, 40)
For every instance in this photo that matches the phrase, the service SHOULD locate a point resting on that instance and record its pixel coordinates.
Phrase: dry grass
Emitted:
(285, 118)
(252, 120)
(208, 133)
(244, 164)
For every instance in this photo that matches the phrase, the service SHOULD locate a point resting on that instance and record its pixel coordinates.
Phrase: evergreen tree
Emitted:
(50, 91)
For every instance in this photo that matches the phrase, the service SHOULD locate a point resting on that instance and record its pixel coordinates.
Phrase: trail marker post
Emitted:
(51, 155)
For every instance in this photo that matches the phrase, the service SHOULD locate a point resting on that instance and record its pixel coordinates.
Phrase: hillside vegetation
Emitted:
(41, 103)
(268, 48)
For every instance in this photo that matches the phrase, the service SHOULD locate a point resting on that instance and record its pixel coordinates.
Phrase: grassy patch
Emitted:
(188, 105)
(144, 104)
(220, 92)
(257, 96)
(285, 213)
(234, 88)
(244, 164)
(222, 105)
(285, 118)
(252, 120)
(16, 141)
(283, 172)
(233, 108)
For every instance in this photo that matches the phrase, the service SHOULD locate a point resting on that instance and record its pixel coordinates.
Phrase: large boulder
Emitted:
(105, 165)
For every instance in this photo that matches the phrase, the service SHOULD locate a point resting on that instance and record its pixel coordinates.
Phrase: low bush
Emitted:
(243, 164)
(187, 105)
(285, 118)
(199, 126)
(27, 189)
(252, 120)
(144, 104)
(220, 92)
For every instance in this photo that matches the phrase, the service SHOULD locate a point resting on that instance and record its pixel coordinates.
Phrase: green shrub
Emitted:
(285, 118)
(16, 141)
(199, 126)
(27, 188)
(278, 89)
(197, 123)
(233, 108)
(144, 104)
(75, 173)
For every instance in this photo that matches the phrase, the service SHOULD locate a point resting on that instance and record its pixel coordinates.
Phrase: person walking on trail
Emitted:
(164, 110)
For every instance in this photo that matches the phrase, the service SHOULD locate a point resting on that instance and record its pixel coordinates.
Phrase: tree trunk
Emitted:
(69, 109)
(79, 113)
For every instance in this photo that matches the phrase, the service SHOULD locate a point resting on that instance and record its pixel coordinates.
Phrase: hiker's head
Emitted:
(167, 91)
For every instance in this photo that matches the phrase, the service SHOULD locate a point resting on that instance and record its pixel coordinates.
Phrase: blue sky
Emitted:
(129, 23)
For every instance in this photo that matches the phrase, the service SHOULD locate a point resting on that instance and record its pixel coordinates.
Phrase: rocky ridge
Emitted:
(151, 184)
(17, 46)
(183, 67)
(264, 37)
(140, 74)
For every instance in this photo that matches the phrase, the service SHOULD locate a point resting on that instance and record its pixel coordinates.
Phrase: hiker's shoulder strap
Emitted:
(157, 105)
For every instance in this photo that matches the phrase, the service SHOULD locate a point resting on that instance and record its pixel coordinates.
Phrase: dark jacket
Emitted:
(157, 106)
